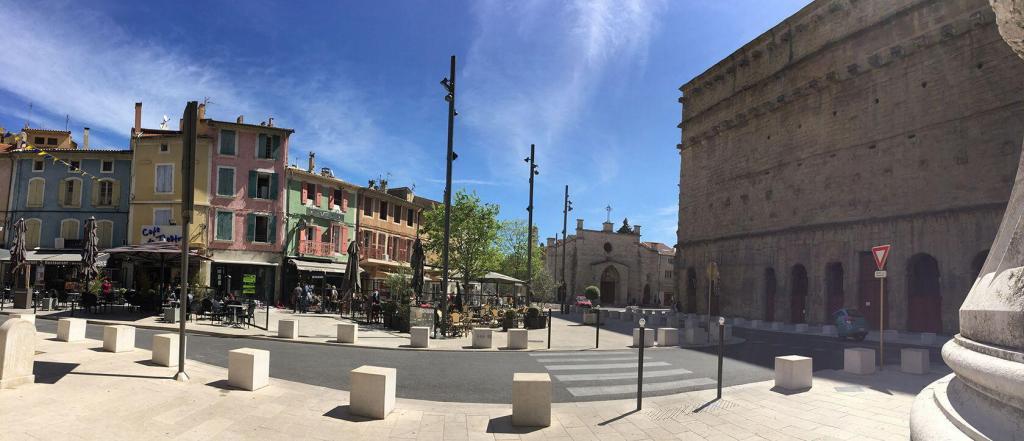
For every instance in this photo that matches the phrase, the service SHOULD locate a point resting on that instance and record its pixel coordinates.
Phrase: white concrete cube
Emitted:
(648, 337)
(755, 324)
(695, 336)
(590, 318)
(17, 353)
(165, 349)
(727, 331)
(614, 314)
(915, 361)
(739, 322)
(859, 361)
(668, 337)
(690, 323)
(518, 339)
(776, 326)
(793, 372)
(71, 329)
(172, 315)
(372, 391)
(31, 318)
(419, 336)
(288, 329)
(531, 399)
(800, 327)
(249, 369)
(891, 334)
(482, 339)
(347, 333)
(118, 338)
(927, 338)
(829, 330)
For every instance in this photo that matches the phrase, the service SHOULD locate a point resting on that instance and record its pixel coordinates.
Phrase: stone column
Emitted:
(984, 397)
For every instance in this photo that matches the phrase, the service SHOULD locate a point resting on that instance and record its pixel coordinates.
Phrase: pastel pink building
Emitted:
(247, 206)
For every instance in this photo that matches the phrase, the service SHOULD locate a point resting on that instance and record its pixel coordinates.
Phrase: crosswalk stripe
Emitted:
(621, 375)
(590, 391)
(570, 360)
(578, 353)
(583, 367)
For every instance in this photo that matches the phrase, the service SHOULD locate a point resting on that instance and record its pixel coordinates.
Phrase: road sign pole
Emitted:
(549, 328)
(881, 323)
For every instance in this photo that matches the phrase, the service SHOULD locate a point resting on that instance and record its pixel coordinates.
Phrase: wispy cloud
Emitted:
(464, 181)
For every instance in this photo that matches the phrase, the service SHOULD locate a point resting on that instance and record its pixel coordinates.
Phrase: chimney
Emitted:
(240, 119)
(312, 162)
(606, 227)
(636, 230)
(270, 122)
(138, 117)
(85, 139)
(202, 111)
(551, 241)
(579, 224)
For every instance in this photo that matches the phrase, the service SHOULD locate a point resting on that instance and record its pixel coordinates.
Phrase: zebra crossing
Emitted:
(613, 374)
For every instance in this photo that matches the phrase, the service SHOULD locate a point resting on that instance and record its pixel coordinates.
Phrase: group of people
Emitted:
(305, 298)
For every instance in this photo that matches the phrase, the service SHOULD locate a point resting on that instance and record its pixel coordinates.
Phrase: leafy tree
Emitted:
(512, 243)
(472, 250)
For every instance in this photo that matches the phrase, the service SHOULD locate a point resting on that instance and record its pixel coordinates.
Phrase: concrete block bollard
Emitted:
(739, 322)
(668, 337)
(172, 315)
(70, 329)
(17, 353)
(793, 372)
(419, 336)
(518, 339)
(373, 391)
(755, 324)
(348, 333)
(614, 314)
(482, 339)
(248, 368)
(927, 338)
(648, 337)
(915, 361)
(118, 338)
(589, 318)
(31, 318)
(859, 361)
(690, 323)
(165, 349)
(829, 330)
(727, 333)
(800, 327)
(775, 326)
(891, 334)
(694, 336)
(531, 400)
(288, 329)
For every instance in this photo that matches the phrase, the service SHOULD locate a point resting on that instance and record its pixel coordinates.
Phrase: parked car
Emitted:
(850, 323)
(583, 302)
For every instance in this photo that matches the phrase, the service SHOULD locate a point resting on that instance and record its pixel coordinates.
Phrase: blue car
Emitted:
(850, 323)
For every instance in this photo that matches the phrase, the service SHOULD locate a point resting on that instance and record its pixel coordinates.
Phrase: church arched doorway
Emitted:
(924, 312)
(691, 290)
(647, 295)
(798, 294)
(833, 288)
(609, 285)
(770, 285)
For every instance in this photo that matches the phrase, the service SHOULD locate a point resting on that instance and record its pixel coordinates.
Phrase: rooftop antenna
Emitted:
(67, 121)
(28, 122)
(609, 210)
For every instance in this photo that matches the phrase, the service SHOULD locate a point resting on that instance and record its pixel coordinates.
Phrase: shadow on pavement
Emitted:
(503, 424)
(343, 413)
(98, 374)
(50, 372)
(605, 423)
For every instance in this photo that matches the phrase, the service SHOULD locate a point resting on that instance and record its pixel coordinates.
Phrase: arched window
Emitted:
(105, 233)
(33, 227)
(69, 229)
(36, 190)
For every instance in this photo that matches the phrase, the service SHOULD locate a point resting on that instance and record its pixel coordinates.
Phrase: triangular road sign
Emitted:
(880, 253)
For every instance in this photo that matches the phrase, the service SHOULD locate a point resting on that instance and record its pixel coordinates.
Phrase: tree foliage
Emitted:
(474, 232)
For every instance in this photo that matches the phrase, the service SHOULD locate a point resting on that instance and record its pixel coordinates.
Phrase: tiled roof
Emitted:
(34, 130)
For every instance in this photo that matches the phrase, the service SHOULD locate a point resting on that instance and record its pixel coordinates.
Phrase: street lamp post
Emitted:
(566, 208)
(529, 228)
(449, 86)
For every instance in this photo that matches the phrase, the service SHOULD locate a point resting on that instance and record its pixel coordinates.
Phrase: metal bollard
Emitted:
(721, 348)
(640, 369)
(597, 330)
(549, 328)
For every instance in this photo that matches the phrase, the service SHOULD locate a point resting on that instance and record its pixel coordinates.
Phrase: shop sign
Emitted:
(249, 284)
(325, 214)
(157, 233)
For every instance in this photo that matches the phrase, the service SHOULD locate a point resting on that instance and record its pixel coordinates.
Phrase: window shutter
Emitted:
(305, 193)
(276, 147)
(250, 227)
(260, 145)
(316, 234)
(76, 194)
(252, 182)
(95, 196)
(273, 186)
(344, 201)
(115, 197)
(317, 189)
(272, 226)
(344, 239)
(330, 199)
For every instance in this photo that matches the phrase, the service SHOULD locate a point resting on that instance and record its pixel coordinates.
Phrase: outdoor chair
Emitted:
(248, 315)
(195, 309)
(216, 312)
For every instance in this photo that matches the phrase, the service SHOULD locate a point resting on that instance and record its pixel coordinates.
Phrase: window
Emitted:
(51, 141)
(36, 189)
(339, 198)
(325, 237)
(262, 185)
(367, 206)
(37, 166)
(106, 166)
(33, 227)
(39, 140)
(225, 225)
(225, 181)
(165, 178)
(71, 192)
(337, 238)
(69, 229)
(267, 146)
(75, 165)
(261, 228)
(408, 219)
(161, 216)
(105, 233)
(383, 210)
(164, 148)
(227, 142)
(105, 195)
(398, 214)
(668, 274)
(311, 195)
(310, 233)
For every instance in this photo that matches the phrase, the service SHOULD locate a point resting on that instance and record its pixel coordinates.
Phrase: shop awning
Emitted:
(46, 257)
(240, 262)
(318, 267)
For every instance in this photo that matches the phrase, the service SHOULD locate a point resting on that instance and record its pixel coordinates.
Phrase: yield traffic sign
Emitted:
(880, 253)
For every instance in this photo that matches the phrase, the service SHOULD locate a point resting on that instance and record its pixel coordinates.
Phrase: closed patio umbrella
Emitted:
(19, 260)
(352, 274)
(90, 251)
(418, 262)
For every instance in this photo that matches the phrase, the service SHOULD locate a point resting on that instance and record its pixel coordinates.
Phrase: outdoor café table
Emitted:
(235, 309)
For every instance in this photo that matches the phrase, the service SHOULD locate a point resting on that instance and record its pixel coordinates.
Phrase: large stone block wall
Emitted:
(850, 124)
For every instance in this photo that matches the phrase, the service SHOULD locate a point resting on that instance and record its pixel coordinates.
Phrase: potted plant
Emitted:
(388, 311)
(508, 320)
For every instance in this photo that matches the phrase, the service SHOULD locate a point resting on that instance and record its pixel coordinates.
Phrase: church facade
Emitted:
(626, 269)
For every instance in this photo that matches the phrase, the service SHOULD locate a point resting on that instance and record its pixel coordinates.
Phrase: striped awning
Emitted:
(318, 267)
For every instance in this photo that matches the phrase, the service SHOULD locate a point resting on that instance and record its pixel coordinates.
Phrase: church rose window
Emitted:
(607, 247)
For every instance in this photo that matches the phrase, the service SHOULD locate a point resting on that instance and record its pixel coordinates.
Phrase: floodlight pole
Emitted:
(565, 243)
(529, 230)
(450, 86)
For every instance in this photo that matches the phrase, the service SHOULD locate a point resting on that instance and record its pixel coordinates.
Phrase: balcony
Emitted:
(381, 253)
(314, 248)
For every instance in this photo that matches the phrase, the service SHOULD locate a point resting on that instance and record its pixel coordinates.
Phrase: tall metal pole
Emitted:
(881, 323)
(188, 147)
(450, 85)
(565, 242)
(529, 231)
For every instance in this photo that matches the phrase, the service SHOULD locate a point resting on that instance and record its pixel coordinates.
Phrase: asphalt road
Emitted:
(486, 376)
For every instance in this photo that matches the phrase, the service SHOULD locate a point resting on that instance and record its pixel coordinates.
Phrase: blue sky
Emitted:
(593, 83)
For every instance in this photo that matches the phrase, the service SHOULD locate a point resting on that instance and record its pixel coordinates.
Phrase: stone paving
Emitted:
(82, 393)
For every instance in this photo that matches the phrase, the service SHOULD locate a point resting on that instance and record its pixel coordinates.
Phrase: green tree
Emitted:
(472, 250)
(512, 244)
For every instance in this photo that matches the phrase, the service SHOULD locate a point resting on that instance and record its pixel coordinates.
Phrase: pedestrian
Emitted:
(296, 297)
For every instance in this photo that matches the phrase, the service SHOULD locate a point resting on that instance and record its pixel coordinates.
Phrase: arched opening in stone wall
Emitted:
(770, 285)
(647, 294)
(924, 298)
(798, 294)
(833, 288)
(691, 290)
(977, 263)
(867, 286)
(609, 285)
